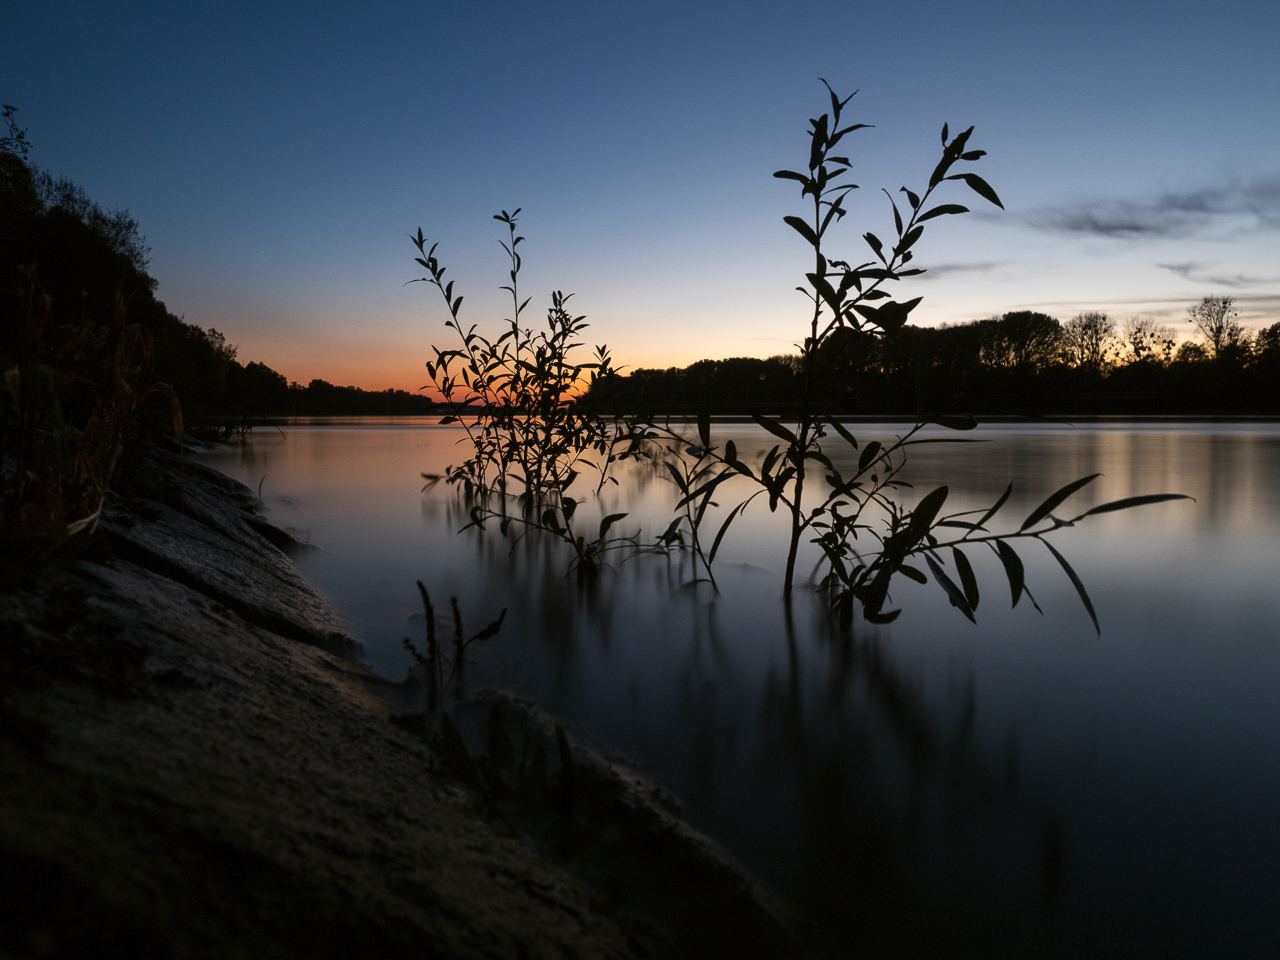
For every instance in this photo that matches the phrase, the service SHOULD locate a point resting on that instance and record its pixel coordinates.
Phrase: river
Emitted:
(1022, 787)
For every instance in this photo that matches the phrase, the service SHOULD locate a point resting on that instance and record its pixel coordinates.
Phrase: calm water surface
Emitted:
(932, 788)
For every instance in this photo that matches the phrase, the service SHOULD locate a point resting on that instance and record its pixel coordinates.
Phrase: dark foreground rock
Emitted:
(191, 767)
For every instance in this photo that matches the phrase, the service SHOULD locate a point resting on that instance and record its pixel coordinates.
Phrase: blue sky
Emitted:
(278, 154)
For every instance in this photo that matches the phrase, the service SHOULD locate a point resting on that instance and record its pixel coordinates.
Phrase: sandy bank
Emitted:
(192, 766)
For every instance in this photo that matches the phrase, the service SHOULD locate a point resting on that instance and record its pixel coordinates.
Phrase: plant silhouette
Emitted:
(514, 396)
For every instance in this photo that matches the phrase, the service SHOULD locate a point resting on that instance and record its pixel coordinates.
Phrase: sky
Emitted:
(278, 155)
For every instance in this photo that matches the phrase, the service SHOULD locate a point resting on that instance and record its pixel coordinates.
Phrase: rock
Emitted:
(211, 542)
(621, 833)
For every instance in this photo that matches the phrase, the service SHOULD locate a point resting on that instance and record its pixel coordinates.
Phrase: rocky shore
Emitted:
(192, 764)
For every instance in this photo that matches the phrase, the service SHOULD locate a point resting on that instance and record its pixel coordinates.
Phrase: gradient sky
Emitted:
(278, 154)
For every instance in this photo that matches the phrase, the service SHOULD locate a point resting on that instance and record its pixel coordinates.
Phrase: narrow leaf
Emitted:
(940, 171)
(954, 592)
(967, 579)
(670, 533)
(1075, 580)
(965, 422)
(923, 515)
(609, 521)
(792, 175)
(996, 506)
(980, 187)
(706, 488)
(1012, 568)
(802, 228)
(913, 574)
(774, 427)
(869, 453)
(492, 629)
(844, 433)
(715, 545)
(675, 474)
(826, 291)
(1042, 511)
(942, 210)
(880, 618)
(1128, 502)
(907, 242)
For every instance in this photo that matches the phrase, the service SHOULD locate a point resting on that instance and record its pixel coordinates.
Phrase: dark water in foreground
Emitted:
(1019, 788)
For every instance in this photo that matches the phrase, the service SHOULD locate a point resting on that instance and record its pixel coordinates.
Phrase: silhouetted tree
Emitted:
(1190, 352)
(116, 228)
(15, 139)
(1215, 317)
(1147, 340)
(1267, 344)
(1089, 340)
(91, 262)
(1026, 340)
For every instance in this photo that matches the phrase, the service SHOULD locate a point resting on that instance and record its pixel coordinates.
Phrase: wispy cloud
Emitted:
(1184, 270)
(1200, 273)
(1256, 202)
(1256, 309)
(1260, 300)
(946, 269)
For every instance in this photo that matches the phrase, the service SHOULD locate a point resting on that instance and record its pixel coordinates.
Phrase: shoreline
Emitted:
(427, 419)
(193, 766)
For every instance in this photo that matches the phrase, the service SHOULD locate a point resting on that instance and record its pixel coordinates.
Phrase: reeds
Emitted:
(430, 665)
(70, 403)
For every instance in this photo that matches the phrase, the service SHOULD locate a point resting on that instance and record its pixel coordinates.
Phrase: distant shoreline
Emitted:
(405, 419)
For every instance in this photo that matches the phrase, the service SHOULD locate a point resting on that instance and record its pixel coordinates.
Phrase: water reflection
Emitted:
(1019, 788)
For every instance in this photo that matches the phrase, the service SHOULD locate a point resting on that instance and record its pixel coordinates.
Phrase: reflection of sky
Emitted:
(928, 780)
(277, 155)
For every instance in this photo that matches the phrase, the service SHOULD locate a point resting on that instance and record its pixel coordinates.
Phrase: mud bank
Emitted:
(193, 765)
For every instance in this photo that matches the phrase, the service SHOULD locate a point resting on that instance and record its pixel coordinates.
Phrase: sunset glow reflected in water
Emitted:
(930, 788)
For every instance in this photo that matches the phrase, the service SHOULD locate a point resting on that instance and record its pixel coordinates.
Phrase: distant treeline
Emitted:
(1020, 363)
(256, 390)
(89, 261)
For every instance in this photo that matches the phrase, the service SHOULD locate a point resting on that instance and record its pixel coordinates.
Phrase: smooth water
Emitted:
(932, 788)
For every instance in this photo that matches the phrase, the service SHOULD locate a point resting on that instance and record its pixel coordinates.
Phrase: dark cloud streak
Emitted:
(945, 269)
(1256, 309)
(1198, 273)
(1169, 214)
